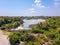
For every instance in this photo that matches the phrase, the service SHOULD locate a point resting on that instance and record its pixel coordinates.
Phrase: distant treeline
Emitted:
(35, 17)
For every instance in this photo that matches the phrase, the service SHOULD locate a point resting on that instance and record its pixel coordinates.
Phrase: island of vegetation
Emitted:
(43, 33)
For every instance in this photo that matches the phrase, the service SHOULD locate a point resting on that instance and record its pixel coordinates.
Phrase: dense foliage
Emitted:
(9, 22)
(51, 30)
(15, 38)
(43, 33)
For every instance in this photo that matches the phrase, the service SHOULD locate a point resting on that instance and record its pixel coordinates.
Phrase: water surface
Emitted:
(31, 21)
(28, 22)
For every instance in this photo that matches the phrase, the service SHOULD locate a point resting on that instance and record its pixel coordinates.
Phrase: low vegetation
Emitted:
(7, 23)
(47, 33)
(43, 33)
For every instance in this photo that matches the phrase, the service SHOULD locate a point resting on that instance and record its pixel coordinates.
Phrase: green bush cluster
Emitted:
(21, 36)
(48, 31)
(10, 22)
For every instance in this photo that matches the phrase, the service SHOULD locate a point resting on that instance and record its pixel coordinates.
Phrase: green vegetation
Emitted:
(14, 39)
(20, 36)
(10, 22)
(51, 29)
(47, 33)
(35, 17)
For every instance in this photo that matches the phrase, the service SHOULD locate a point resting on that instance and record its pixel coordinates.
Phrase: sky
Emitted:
(29, 7)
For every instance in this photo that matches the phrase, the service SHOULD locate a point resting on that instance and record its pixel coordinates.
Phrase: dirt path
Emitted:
(3, 39)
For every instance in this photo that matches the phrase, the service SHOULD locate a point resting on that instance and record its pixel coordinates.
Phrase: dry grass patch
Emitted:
(5, 32)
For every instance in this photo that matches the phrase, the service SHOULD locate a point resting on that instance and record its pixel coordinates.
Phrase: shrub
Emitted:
(28, 38)
(37, 31)
(46, 40)
(51, 36)
(2, 28)
(45, 28)
(14, 39)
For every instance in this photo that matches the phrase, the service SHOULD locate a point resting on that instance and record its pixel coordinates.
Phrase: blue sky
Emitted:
(29, 7)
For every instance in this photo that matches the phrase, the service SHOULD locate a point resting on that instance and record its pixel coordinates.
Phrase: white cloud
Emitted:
(38, 4)
(37, 1)
(32, 10)
(56, 0)
(35, 7)
(56, 3)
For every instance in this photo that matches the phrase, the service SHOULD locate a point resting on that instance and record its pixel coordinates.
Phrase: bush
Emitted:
(14, 39)
(2, 28)
(54, 26)
(51, 36)
(46, 40)
(32, 43)
(37, 31)
(45, 28)
(28, 38)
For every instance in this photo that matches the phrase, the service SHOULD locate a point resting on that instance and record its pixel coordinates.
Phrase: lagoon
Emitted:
(31, 21)
(27, 23)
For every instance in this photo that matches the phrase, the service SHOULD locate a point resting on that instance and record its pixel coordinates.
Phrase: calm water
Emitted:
(31, 21)
(27, 23)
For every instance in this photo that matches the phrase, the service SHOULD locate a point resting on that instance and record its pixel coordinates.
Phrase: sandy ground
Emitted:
(3, 39)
